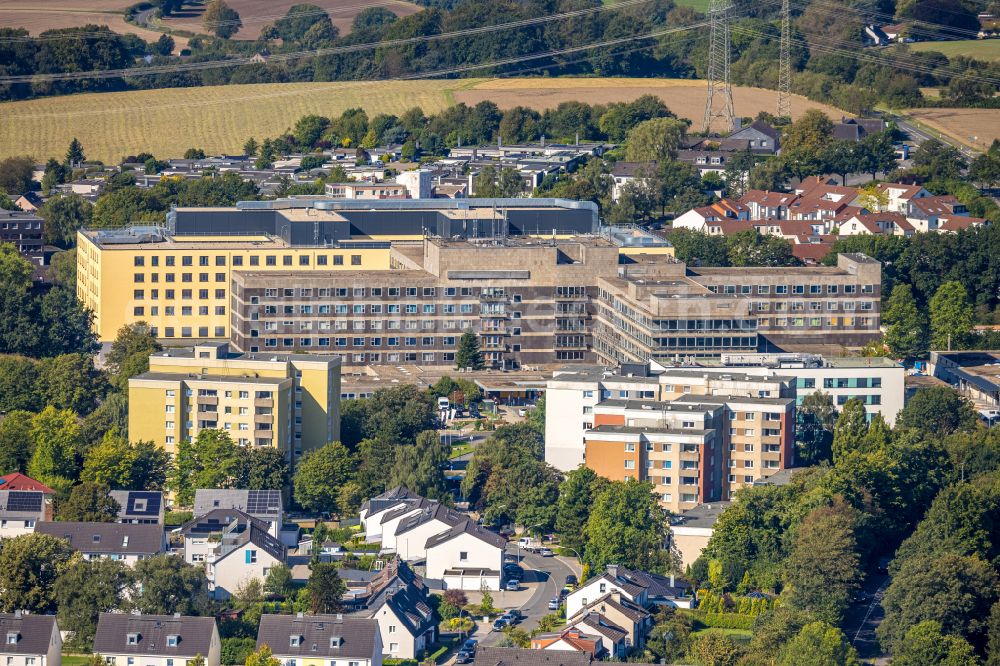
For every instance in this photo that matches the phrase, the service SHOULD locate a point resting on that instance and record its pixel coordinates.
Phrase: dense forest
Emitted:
(532, 37)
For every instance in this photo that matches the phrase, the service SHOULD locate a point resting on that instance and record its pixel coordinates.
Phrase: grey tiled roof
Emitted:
(108, 538)
(471, 528)
(357, 635)
(217, 520)
(33, 631)
(195, 634)
(491, 656)
(264, 504)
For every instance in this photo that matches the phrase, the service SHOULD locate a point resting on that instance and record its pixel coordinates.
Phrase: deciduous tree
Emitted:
(29, 567)
(168, 585)
(320, 475)
(86, 589)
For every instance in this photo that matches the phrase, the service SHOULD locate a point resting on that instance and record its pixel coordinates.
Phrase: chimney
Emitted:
(177, 616)
(17, 613)
(613, 569)
(577, 138)
(543, 141)
(299, 615)
(672, 581)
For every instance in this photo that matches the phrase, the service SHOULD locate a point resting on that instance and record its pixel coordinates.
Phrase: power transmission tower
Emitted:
(720, 93)
(785, 63)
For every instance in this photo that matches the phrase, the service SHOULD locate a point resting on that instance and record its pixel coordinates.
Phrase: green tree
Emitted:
(62, 269)
(250, 147)
(122, 466)
(669, 638)
(16, 447)
(716, 649)
(393, 415)
(220, 19)
(951, 315)
(262, 657)
(751, 248)
(320, 475)
(655, 140)
(279, 581)
(84, 590)
(55, 436)
(74, 154)
(420, 466)
(259, 469)
(906, 327)
(626, 526)
(70, 381)
(925, 645)
(699, 249)
(64, 215)
(235, 651)
(955, 591)
(15, 174)
(326, 589)
(812, 132)
(937, 410)
(167, 585)
(815, 420)
(818, 644)
(468, 354)
(129, 353)
(89, 503)
(822, 568)
(850, 429)
(576, 496)
(29, 567)
(19, 384)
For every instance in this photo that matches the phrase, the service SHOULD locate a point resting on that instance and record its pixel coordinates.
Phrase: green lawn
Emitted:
(76, 659)
(736, 634)
(980, 49)
(699, 5)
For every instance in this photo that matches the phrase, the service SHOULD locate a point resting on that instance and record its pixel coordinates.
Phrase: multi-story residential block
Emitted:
(30, 640)
(156, 640)
(125, 542)
(23, 231)
(661, 310)
(177, 277)
(288, 402)
(321, 640)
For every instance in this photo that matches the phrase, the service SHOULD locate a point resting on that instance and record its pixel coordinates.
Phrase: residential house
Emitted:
(127, 543)
(140, 507)
(856, 129)
(955, 223)
(321, 640)
(264, 505)
(414, 530)
(243, 552)
(696, 218)
(691, 530)
(398, 600)
(614, 609)
(761, 138)
(202, 535)
(156, 640)
(885, 224)
(492, 656)
(765, 205)
(29, 202)
(575, 640)
(30, 640)
(623, 173)
(24, 503)
(375, 509)
(614, 638)
(899, 195)
(466, 557)
(638, 587)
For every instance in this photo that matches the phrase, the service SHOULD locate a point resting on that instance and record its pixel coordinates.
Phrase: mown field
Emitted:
(37, 17)
(220, 118)
(981, 49)
(976, 128)
(255, 14)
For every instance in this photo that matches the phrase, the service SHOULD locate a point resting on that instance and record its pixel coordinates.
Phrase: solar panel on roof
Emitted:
(144, 503)
(22, 500)
(263, 502)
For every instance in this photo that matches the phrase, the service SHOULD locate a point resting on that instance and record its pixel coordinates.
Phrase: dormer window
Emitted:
(172, 641)
(12, 637)
(132, 639)
(97, 538)
(294, 641)
(336, 641)
(140, 505)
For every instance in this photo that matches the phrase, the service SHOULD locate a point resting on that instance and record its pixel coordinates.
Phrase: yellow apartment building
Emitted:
(286, 401)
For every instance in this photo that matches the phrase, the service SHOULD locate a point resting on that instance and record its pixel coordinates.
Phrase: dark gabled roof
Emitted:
(261, 538)
(388, 499)
(629, 169)
(492, 656)
(630, 610)
(409, 604)
(357, 635)
(195, 634)
(435, 511)
(217, 520)
(265, 504)
(471, 528)
(108, 538)
(129, 502)
(600, 624)
(33, 633)
(402, 507)
(655, 584)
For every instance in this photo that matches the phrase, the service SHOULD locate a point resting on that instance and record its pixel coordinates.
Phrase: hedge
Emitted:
(399, 662)
(176, 518)
(723, 620)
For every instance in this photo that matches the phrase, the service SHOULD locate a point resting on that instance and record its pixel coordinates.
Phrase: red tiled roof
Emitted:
(811, 252)
(18, 481)
(959, 222)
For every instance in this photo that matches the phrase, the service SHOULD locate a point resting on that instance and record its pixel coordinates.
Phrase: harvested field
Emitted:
(685, 97)
(976, 128)
(255, 14)
(53, 14)
(220, 118)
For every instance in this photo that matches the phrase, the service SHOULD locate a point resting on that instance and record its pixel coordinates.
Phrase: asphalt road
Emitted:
(546, 575)
(864, 618)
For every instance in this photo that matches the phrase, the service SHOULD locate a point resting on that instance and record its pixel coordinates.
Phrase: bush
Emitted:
(176, 518)
(399, 662)
(722, 620)
(236, 650)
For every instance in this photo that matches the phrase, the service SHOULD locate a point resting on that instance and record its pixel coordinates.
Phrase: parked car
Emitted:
(470, 644)
(464, 657)
(563, 593)
(513, 585)
(545, 552)
(500, 623)
(571, 580)
(554, 603)
(513, 571)
(513, 616)
(510, 559)
(522, 412)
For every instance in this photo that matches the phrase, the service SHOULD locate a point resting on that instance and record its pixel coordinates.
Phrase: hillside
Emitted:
(220, 118)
